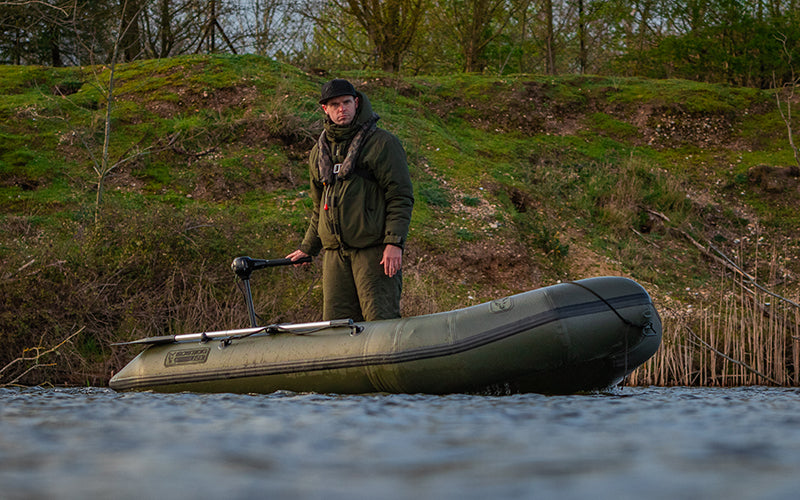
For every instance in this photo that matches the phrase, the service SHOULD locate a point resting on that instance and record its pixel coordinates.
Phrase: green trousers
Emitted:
(354, 286)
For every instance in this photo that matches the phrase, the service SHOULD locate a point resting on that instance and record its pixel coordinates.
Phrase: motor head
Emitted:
(243, 267)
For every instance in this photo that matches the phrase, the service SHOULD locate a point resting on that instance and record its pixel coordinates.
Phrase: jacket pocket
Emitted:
(362, 213)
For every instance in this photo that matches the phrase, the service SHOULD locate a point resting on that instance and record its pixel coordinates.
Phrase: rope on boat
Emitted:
(645, 327)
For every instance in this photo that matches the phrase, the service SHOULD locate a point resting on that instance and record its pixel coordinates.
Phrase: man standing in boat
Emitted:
(363, 198)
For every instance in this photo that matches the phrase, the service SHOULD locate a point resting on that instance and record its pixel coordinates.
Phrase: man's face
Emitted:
(341, 110)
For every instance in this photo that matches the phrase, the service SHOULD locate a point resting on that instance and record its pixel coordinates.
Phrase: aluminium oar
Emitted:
(296, 328)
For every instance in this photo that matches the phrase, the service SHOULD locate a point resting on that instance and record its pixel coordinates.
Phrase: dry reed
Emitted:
(747, 336)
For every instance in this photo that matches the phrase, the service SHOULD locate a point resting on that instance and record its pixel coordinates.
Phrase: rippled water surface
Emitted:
(654, 443)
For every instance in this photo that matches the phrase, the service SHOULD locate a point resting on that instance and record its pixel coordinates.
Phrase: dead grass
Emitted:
(746, 336)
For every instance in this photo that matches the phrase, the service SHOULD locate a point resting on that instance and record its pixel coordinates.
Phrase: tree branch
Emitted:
(39, 352)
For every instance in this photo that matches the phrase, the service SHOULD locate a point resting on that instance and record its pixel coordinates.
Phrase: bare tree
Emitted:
(267, 25)
(172, 27)
(131, 38)
(277, 29)
(474, 24)
(785, 106)
(102, 162)
(104, 166)
(550, 37)
(30, 31)
(211, 28)
(390, 26)
(38, 3)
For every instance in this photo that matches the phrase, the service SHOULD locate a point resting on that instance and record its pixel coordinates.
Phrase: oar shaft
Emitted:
(287, 327)
(336, 323)
(201, 336)
(218, 334)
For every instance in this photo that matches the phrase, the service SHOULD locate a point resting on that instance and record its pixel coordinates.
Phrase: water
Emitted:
(654, 443)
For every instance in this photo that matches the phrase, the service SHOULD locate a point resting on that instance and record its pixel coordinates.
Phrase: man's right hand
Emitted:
(297, 255)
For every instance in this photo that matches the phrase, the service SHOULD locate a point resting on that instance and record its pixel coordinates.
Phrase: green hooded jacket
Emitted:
(372, 204)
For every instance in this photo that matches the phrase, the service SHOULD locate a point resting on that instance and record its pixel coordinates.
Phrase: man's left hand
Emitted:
(392, 260)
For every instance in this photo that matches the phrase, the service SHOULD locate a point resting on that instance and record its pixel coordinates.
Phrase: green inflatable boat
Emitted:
(571, 337)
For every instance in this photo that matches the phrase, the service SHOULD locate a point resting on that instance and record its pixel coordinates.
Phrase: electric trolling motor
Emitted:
(244, 267)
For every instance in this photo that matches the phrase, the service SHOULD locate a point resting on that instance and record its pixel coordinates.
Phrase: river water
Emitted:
(654, 443)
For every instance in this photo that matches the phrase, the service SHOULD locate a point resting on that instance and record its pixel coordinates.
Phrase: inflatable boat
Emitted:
(571, 337)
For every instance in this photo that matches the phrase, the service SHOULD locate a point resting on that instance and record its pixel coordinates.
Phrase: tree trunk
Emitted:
(581, 38)
(131, 36)
(550, 48)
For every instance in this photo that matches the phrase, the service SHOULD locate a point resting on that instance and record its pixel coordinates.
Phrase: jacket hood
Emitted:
(364, 112)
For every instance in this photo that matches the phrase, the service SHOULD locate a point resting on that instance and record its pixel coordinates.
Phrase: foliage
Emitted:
(739, 50)
(721, 41)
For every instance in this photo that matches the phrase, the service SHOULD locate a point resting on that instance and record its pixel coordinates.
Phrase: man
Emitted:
(363, 199)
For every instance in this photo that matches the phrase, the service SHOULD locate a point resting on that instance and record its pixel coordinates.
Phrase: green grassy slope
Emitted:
(520, 182)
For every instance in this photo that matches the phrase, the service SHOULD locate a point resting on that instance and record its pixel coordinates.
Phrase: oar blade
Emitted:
(163, 339)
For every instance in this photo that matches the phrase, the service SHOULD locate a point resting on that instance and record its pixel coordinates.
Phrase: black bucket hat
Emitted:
(336, 88)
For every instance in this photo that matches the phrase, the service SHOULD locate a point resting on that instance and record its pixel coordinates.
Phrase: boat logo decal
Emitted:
(187, 357)
(501, 305)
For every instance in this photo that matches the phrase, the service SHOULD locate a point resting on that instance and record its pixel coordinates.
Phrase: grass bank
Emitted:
(520, 182)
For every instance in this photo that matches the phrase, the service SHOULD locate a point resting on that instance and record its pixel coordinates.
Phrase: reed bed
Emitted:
(747, 336)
